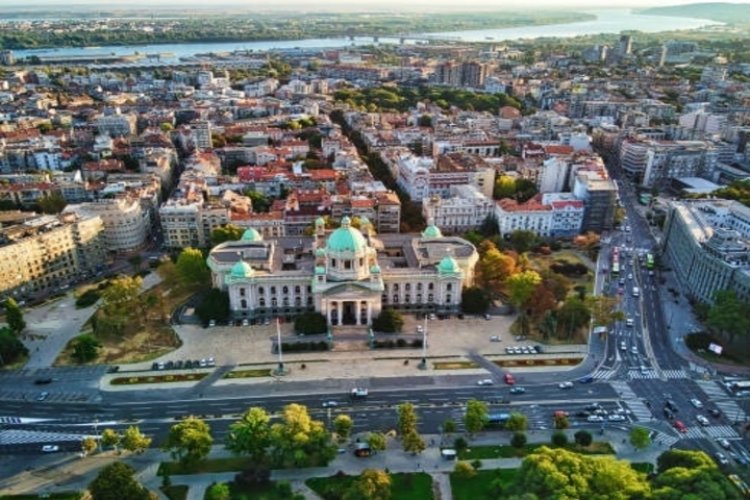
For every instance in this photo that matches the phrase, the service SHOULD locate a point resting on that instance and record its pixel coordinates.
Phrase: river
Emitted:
(607, 21)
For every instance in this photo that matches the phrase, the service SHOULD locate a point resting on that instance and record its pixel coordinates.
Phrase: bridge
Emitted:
(402, 38)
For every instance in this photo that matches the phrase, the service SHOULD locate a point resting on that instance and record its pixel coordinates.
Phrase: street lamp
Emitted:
(280, 368)
(423, 364)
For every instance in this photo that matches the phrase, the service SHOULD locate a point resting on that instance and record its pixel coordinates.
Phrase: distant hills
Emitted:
(730, 13)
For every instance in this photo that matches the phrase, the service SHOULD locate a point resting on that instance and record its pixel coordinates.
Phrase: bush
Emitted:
(389, 321)
(583, 438)
(253, 476)
(310, 323)
(569, 269)
(698, 341)
(559, 439)
(400, 343)
(460, 444)
(475, 300)
(11, 349)
(88, 298)
(215, 305)
(518, 440)
(464, 470)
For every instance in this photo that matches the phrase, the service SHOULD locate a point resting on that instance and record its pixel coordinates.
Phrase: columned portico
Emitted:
(355, 312)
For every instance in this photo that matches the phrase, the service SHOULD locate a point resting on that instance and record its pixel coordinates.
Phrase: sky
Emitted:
(340, 5)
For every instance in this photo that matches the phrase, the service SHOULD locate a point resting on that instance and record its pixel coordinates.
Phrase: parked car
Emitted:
(721, 458)
(43, 381)
(495, 338)
(211, 323)
(245, 322)
(330, 404)
(586, 380)
(595, 418)
(616, 418)
(211, 362)
(723, 443)
(487, 317)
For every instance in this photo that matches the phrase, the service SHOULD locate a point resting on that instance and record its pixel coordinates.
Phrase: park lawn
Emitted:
(175, 492)
(478, 487)
(416, 486)
(507, 451)
(544, 262)
(229, 464)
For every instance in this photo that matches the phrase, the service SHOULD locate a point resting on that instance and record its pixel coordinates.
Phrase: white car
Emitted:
(485, 381)
(495, 338)
(245, 322)
(629, 322)
(634, 350)
(623, 346)
(721, 459)
(630, 276)
(702, 420)
(616, 418)
(420, 328)
(696, 402)
(595, 418)
(330, 404)
(50, 448)
(723, 443)
(565, 385)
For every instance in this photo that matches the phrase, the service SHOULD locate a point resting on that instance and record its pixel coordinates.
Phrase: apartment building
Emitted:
(466, 209)
(127, 224)
(655, 163)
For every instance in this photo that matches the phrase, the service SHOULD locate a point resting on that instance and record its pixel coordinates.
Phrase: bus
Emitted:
(616, 261)
(738, 387)
(650, 260)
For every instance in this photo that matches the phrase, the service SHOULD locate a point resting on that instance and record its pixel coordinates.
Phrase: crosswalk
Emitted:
(603, 374)
(30, 437)
(650, 373)
(712, 389)
(731, 410)
(712, 432)
(638, 409)
(10, 420)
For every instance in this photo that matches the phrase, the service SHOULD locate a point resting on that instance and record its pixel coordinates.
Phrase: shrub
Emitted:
(559, 439)
(88, 298)
(583, 438)
(464, 470)
(310, 323)
(253, 476)
(460, 444)
(401, 343)
(518, 440)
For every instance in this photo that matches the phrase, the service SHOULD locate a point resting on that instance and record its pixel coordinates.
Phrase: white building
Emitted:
(567, 214)
(530, 216)
(701, 121)
(553, 175)
(126, 224)
(466, 209)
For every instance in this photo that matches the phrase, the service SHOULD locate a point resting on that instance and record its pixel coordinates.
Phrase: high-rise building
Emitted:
(625, 45)
(7, 57)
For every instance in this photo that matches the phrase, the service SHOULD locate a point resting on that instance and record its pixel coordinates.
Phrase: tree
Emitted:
(14, 316)
(518, 440)
(377, 441)
(476, 416)
(218, 491)
(680, 483)
(425, 121)
(449, 426)
(120, 299)
(522, 240)
(134, 440)
(583, 438)
(604, 310)
(117, 481)
(559, 439)
(260, 202)
(166, 127)
(728, 314)
(11, 348)
(251, 434)
(561, 422)
(192, 267)
(342, 425)
(52, 203)
(572, 316)
(230, 232)
(460, 444)
(688, 459)
(88, 445)
(474, 300)
(521, 286)
(388, 321)
(85, 348)
(413, 442)
(214, 306)
(464, 470)
(517, 422)
(493, 269)
(311, 323)
(371, 484)
(639, 437)
(189, 441)
(559, 473)
(407, 419)
(110, 437)
(300, 441)
(505, 187)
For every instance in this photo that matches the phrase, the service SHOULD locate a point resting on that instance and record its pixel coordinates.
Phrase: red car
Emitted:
(680, 426)
(509, 379)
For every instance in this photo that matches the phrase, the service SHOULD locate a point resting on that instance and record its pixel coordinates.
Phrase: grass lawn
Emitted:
(231, 464)
(478, 487)
(175, 492)
(258, 492)
(507, 451)
(417, 486)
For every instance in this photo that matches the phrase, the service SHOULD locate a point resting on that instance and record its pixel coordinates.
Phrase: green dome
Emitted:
(251, 235)
(320, 252)
(320, 270)
(364, 221)
(346, 238)
(448, 266)
(241, 269)
(375, 269)
(320, 221)
(432, 231)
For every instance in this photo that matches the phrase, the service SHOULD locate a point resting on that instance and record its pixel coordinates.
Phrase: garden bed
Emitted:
(507, 451)
(175, 492)
(416, 486)
(260, 372)
(520, 362)
(455, 365)
(159, 379)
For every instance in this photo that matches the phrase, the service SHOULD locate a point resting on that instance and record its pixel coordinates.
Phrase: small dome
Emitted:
(320, 252)
(448, 266)
(320, 221)
(432, 231)
(375, 269)
(346, 221)
(251, 235)
(346, 238)
(242, 269)
(320, 270)
(364, 221)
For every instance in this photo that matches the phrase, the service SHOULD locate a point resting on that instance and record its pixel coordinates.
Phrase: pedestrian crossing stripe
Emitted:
(712, 389)
(636, 373)
(603, 374)
(721, 431)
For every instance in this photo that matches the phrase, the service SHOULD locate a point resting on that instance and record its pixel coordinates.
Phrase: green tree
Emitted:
(518, 440)
(88, 445)
(192, 267)
(230, 232)
(342, 425)
(413, 442)
(117, 481)
(572, 316)
(14, 316)
(639, 437)
(521, 287)
(680, 483)
(166, 127)
(251, 434)
(476, 416)
(517, 422)
(300, 441)
(505, 187)
(388, 321)
(407, 419)
(559, 439)
(134, 440)
(728, 315)
(189, 441)
(377, 441)
(371, 484)
(259, 201)
(52, 203)
(122, 297)
(583, 438)
(214, 306)
(464, 470)
(688, 459)
(85, 348)
(522, 240)
(218, 491)
(474, 300)
(604, 310)
(561, 422)
(449, 426)
(311, 323)
(110, 437)
(11, 349)
(559, 474)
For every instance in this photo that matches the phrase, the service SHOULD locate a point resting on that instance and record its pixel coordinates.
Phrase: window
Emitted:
(297, 301)
(309, 301)
(448, 298)
(297, 290)
(407, 299)
(419, 298)
(419, 287)
(407, 287)
(430, 298)
(347, 264)
(285, 290)
(361, 262)
(262, 302)
(243, 304)
(333, 263)
(395, 287)
(430, 286)
(273, 290)
(449, 287)
(309, 289)
(384, 298)
(274, 302)
(242, 292)
(285, 301)
(395, 299)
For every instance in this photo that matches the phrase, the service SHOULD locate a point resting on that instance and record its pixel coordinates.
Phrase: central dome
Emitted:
(346, 239)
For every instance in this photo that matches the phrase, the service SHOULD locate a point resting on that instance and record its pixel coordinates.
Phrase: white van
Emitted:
(636, 291)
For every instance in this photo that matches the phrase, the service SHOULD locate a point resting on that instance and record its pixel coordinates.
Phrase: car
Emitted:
(723, 443)
(616, 418)
(160, 365)
(565, 385)
(621, 281)
(155, 365)
(203, 363)
(583, 414)
(495, 338)
(538, 349)
(621, 291)
(629, 322)
(330, 404)
(169, 365)
(520, 338)
(266, 322)
(595, 418)
(627, 229)
(623, 346)
(420, 329)
(188, 364)
(211, 323)
(431, 317)
(517, 390)
(586, 380)
(211, 362)
(509, 379)
(560, 414)
(671, 405)
(644, 369)
(43, 381)
(721, 458)
(630, 276)
(680, 426)
(633, 349)
(593, 407)
(245, 322)
(179, 364)
(487, 317)
(715, 412)
(42, 396)
(50, 448)
(113, 369)
(485, 381)
(702, 420)
(697, 403)
(668, 414)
